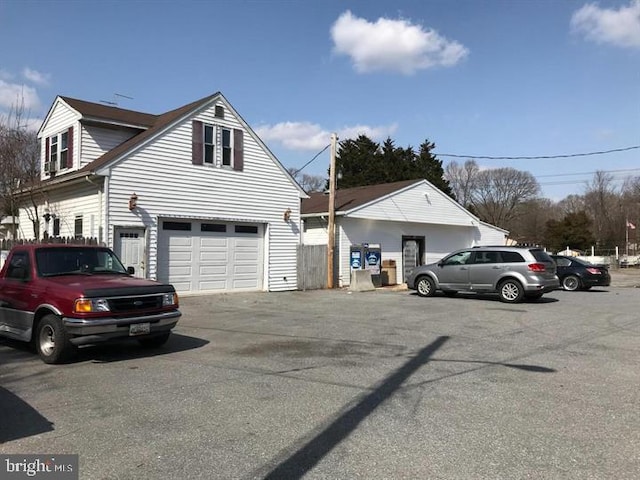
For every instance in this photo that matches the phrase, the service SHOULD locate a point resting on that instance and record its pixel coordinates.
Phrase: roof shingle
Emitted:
(350, 198)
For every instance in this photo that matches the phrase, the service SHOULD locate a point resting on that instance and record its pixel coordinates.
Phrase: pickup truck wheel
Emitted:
(52, 340)
(154, 341)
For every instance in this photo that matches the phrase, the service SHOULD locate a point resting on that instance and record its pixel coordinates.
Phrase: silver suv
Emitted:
(513, 273)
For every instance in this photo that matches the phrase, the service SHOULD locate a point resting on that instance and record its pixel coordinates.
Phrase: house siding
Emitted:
(489, 235)
(96, 141)
(66, 204)
(421, 203)
(166, 182)
(315, 231)
(60, 119)
(439, 241)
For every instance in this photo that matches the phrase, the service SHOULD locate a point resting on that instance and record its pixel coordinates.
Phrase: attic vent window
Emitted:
(219, 111)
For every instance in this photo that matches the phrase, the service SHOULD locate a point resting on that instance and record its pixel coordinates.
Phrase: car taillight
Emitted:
(537, 267)
(594, 271)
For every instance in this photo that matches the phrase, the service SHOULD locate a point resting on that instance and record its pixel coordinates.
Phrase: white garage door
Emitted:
(198, 256)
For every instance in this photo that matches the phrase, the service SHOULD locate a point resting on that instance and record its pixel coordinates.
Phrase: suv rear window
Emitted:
(541, 255)
(511, 257)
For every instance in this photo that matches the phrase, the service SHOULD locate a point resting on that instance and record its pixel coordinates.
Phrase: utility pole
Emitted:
(332, 211)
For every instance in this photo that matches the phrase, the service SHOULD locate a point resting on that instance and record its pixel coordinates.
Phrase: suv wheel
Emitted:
(510, 291)
(52, 340)
(571, 283)
(425, 287)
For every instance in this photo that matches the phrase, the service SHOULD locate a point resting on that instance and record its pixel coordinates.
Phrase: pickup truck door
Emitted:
(16, 317)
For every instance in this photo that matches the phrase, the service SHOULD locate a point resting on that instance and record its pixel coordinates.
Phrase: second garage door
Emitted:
(198, 256)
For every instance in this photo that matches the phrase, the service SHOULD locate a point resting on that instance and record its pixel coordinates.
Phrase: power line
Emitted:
(589, 173)
(539, 157)
(314, 157)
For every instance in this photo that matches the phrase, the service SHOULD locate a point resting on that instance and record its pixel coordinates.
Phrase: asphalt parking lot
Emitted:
(340, 385)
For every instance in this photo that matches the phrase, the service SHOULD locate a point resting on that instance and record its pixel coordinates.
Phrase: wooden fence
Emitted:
(312, 267)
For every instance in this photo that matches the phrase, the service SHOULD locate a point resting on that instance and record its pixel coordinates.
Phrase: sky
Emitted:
(479, 78)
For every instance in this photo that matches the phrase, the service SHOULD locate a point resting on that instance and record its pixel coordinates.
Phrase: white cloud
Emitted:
(36, 77)
(310, 136)
(393, 45)
(602, 25)
(14, 95)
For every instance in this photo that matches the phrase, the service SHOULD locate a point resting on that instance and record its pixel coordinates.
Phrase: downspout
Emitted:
(102, 211)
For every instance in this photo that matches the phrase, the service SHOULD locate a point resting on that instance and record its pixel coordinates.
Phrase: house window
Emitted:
(230, 146)
(78, 227)
(53, 154)
(209, 144)
(56, 227)
(227, 151)
(64, 149)
(59, 151)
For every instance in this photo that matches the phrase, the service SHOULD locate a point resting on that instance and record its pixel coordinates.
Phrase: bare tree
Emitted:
(529, 225)
(498, 193)
(309, 183)
(20, 183)
(571, 204)
(606, 210)
(462, 180)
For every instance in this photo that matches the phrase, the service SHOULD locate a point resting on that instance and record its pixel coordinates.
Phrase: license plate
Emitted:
(139, 328)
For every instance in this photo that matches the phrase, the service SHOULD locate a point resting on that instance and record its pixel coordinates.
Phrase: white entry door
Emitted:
(129, 246)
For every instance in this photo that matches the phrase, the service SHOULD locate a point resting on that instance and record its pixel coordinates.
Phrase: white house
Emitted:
(413, 222)
(192, 196)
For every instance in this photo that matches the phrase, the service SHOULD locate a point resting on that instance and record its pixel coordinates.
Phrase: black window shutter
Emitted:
(69, 148)
(238, 150)
(46, 149)
(197, 142)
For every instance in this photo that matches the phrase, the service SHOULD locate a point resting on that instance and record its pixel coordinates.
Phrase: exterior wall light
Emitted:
(133, 201)
(287, 214)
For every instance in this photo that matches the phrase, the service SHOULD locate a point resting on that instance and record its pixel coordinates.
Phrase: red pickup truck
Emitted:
(60, 297)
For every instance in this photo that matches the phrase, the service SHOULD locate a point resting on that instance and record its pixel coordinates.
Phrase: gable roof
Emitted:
(150, 126)
(350, 198)
(160, 123)
(110, 114)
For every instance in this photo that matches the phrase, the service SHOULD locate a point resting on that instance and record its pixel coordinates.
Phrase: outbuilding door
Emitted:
(129, 246)
(412, 254)
(200, 256)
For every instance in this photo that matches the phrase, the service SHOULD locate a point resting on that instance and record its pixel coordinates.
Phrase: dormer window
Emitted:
(59, 153)
(64, 149)
(53, 155)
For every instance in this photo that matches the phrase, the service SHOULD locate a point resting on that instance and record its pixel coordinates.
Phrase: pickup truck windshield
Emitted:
(77, 261)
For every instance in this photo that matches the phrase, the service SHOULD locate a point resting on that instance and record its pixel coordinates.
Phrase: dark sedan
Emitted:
(577, 274)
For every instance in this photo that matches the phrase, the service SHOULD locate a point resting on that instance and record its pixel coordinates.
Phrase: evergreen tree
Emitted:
(364, 162)
(356, 162)
(573, 231)
(429, 167)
